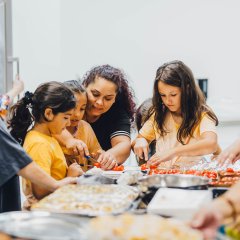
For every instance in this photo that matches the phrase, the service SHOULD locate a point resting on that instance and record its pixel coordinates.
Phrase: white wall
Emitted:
(56, 40)
(37, 40)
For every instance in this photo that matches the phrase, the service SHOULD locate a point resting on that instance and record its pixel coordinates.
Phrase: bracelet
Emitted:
(232, 205)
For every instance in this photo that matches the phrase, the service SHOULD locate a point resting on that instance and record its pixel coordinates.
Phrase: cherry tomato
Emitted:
(144, 167)
(230, 170)
(153, 167)
(98, 165)
(120, 168)
(156, 171)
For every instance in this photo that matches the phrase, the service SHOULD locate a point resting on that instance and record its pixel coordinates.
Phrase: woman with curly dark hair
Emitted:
(110, 111)
(180, 120)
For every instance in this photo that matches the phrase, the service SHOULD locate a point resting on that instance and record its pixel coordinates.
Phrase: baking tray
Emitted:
(89, 200)
(175, 181)
(43, 225)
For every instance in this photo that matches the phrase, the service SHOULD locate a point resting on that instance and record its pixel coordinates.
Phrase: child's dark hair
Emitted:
(125, 94)
(75, 86)
(193, 103)
(31, 107)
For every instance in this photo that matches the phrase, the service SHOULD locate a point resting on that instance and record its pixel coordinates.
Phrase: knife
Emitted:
(93, 160)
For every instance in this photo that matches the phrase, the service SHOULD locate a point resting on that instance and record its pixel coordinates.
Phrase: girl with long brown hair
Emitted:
(179, 120)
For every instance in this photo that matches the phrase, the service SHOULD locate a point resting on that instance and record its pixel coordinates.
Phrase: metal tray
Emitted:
(42, 225)
(89, 200)
(175, 181)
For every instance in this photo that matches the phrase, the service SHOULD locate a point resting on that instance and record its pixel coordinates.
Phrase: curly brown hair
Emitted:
(193, 103)
(125, 94)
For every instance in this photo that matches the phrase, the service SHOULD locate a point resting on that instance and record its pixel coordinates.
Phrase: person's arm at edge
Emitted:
(230, 155)
(210, 217)
(17, 88)
(37, 176)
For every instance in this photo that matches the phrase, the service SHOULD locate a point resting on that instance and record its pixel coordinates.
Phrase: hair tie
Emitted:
(28, 98)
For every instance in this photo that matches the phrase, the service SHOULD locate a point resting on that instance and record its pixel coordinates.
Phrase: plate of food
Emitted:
(130, 226)
(89, 200)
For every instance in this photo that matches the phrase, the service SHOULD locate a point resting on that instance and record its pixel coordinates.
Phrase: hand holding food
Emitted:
(107, 160)
(78, 147)
(160, 157)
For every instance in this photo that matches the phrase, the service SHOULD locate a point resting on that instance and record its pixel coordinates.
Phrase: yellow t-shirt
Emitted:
(47, 153)
(169, 141)
(85, 133)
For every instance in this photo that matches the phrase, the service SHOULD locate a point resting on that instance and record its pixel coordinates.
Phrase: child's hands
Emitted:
(160, 157)
(78, 147)
(141, 148)
(74, 170)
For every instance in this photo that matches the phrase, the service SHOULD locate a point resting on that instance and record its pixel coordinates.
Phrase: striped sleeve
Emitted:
(121, 125)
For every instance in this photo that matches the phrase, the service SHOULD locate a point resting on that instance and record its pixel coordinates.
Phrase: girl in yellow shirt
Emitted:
(179, 120)
(48, 111)
(79, 128)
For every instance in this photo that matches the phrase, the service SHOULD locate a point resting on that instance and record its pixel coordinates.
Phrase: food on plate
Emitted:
(223, 178)
(139, 227)
(92, 200)
(129, 177)
(118, 168)
(97, 164)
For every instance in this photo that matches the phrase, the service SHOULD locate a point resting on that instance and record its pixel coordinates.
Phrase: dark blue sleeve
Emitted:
(12, 156)
(121, 125)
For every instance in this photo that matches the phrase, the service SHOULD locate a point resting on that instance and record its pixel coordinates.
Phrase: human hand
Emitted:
(207, 220)
(65, 181)
(160, 157)
(74, 170)
(230, 155)
(18, 85)
(141, 148)
(107, 160)
(78, 147)
(96, 154)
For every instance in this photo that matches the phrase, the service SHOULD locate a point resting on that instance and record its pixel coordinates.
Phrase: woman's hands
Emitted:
(230, 155)
(141, 148)
(74, 170)
(107, 160)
